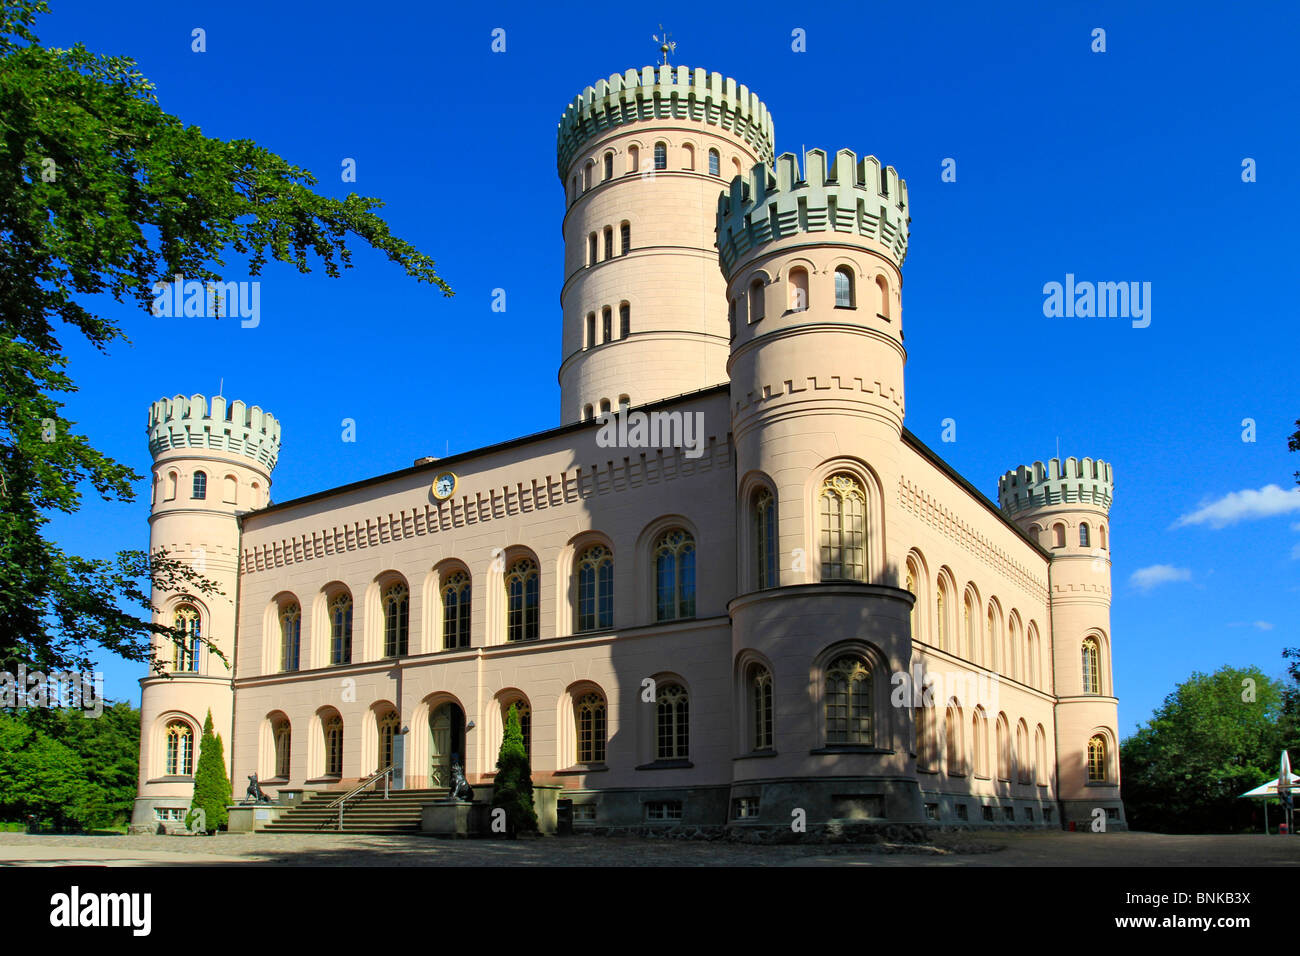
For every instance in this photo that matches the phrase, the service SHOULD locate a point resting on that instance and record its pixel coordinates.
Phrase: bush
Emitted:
(212, 792)
(512, 790)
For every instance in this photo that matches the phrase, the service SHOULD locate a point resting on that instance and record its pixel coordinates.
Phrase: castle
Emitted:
(775, 602)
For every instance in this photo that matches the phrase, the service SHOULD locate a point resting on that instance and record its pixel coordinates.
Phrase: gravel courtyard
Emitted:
(949, 849)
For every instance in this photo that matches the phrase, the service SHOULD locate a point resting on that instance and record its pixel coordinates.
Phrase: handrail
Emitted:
(341, 802)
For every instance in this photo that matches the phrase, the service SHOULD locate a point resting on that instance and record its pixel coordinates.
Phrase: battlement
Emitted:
(1076, 481)
(665, 92)
(850, 196)
(182, 422)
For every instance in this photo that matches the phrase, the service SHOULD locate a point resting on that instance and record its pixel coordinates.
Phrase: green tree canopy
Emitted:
(212, 792)
(102, 192)
(1215, 737)
(512, 788)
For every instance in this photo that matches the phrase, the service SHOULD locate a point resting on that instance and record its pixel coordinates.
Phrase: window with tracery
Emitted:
(673, 728)
(591, 729)
(595, 607)
(185, 655)
(765, 547)
(180, 749)
(341, 628)
(848, 702)
(397, 620)
(455, 610)
(523, 601)
(674, 555)
(290, 636)
(843, 529)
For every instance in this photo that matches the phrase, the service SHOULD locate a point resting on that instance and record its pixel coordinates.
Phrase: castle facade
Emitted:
(730, 588)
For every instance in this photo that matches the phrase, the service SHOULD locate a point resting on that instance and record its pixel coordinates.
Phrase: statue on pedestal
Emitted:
(254, 794)
(460, 788)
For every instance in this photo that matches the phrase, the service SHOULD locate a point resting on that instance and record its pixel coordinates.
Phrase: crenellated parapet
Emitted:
(665, 93)
(1074, 481)
(850, 197)
(196, 423)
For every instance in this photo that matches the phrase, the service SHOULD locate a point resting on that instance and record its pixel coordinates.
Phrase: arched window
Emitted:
(844, 288)
(1091, 666)
(525, 715)
(848, 702)
(595, 608)
(624, 320)
(1013, 664)
(587, 172)
(281, 735)
(1004, 749)
(1058, 535)
(609, 242)
(979, 729)
(397, 621)
(573, 192)
(591, 249)
(591, 329)
(388, 725)
(609, 165)
(1024, 773)
(731, 316)
(185, 656)
(455, 610)
(1101, 536)
(1083, 535)
(180, 749)
(968, 625)
(843, 537)
(1097, 758)
(200, 485)
(523, 596)
(941, 607)
(715, 168)
(952, 726)
(761, 703)
(604, 407)
(606, 325)
(171, 485)
(883, 285)
(341, 628)
(590, 725)
(231, 495)
(290, 636)
(633, 159)
(765, 548)
(798, 289)
(333, 732)
(914, 617)
(625, 238)
(1040, 757)
(757, 307)
(672, 737)
(689, 156)
(674, 575)
(994, 638)
(588, 412)
(661, 156)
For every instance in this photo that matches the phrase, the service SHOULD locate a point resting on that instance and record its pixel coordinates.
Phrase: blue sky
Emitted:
(1117, 166)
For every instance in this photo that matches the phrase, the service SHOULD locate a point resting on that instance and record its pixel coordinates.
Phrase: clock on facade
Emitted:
(444, 485)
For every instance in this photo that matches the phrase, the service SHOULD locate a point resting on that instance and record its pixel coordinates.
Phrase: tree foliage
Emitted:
(103, 193)
(67, 769)
(512, 788)
(1215, 737)
(212, 791)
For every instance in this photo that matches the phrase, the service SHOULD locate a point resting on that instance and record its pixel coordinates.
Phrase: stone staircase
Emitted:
(367, 812)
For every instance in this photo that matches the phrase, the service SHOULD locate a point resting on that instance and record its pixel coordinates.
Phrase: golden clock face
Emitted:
(444, 486)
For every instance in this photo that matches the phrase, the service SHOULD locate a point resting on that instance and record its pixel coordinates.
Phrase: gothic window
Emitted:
(523, 595)
(186, 648)
(661, 156)
(941, 607)
(341, 628)
(673, 730)
(290, 636)
(180, 749)
(595, 589)
(333, 731)
(674, 555)
(609, 242)
(1004, 749)
(848, 702)
(843, 529)
(757, 308)
(591, 249)
(587, 174)
(397, 620)
(1040, 753)
(387, 739)
(953, 727)
(200, 485)
(591, 729)
(609, 165)
(914, 616)
(761, 703)
(1083, 535)
(798, 289)
(591, 329)
(625, 238)
(715, 168)
(968, 625)
(765, 549)
(606, 325)
(1091, 666)
(281, 734)
(1097, 758)
(979, 745)
(455, 610)
(1023, 771)
(843, 288)
(624, 320)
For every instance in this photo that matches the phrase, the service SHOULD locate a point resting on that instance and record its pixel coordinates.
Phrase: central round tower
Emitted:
(643, 157)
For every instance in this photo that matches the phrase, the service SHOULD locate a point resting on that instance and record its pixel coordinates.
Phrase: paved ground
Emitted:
(982, 849)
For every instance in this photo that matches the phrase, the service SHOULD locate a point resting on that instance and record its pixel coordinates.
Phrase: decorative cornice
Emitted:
(185, 423)
(1076, 481)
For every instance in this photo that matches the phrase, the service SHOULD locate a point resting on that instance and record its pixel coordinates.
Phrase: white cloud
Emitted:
(1146, 578)
(1243, 506)
(1262, 625)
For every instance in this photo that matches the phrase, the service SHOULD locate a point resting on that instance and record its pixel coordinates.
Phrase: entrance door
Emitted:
(446, 739)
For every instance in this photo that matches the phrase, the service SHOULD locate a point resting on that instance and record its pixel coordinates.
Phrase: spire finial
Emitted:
(666, 44)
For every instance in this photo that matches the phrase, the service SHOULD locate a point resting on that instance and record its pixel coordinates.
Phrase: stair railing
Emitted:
(342, 801)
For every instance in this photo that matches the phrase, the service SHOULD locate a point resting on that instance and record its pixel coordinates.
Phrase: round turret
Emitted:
(643, 157)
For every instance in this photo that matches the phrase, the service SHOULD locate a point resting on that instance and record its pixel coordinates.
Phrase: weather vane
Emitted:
(666, 45)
